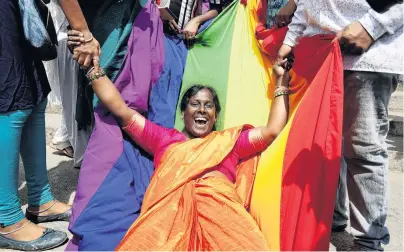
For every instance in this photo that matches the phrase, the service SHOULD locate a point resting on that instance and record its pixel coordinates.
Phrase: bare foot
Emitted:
(57, 208)
(28, 233)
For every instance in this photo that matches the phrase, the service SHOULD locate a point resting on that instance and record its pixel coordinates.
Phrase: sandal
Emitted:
(68, 152)
(67, 149)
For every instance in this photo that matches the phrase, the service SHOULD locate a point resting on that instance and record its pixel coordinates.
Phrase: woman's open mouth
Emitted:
(201, 121)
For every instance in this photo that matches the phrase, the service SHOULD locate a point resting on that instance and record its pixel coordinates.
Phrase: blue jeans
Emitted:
(364, 168)
(22, 132)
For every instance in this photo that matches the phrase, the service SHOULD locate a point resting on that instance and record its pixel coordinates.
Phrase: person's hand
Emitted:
(191, 29)
(282, 67)
(85, 50)
(75, 38)
(284, 16)
(284, 52)
(354, 39)
(174, 26)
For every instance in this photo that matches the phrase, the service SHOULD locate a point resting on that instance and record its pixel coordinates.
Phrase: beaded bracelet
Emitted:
(279, 93)
(281, 90)
(95, 76)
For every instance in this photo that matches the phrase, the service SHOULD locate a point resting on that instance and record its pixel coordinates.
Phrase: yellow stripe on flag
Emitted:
(249, 96)
(248, 79)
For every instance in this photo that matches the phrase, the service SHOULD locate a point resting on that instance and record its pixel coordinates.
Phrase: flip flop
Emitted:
(68, 152)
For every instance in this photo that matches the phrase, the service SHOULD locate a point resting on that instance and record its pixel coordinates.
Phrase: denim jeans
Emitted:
(22, 132)
(364, 167)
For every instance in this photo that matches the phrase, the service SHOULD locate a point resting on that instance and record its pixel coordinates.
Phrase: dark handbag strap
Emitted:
(46, 18)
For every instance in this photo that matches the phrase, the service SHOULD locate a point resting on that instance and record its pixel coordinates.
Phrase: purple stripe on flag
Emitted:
(134, 82)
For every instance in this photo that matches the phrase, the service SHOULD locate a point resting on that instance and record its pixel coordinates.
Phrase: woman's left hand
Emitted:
(191, 29)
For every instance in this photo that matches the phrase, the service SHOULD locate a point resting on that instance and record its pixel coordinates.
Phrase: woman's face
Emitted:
(200, 115)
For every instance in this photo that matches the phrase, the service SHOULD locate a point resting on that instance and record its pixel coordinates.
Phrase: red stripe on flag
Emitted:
(313, 151)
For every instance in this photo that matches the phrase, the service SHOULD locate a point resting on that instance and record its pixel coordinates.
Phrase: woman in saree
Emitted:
(197, 194)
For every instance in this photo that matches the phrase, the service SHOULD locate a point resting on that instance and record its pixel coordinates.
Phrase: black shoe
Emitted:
(49, 239)
(337, 229)
(49, 218)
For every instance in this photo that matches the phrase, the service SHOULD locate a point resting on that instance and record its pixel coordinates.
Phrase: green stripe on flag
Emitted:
(209, 60)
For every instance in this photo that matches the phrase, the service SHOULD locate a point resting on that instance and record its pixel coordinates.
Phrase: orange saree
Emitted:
(183, 211)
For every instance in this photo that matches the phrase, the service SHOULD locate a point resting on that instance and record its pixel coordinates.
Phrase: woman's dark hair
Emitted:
(193, 91)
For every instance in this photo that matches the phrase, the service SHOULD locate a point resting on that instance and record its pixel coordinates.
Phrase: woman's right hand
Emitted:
(84, 52)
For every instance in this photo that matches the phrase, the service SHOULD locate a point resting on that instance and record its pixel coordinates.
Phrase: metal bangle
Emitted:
(90, 39)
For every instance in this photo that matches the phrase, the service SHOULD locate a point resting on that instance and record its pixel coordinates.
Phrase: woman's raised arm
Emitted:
(146, 134)
(278, 116)
(262, 137)
(112, 100)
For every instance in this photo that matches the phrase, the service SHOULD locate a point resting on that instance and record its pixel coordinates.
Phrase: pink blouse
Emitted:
(156, 139)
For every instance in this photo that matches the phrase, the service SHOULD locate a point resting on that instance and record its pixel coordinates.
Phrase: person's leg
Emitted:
(33, 154)
(61, 140)
(11, 215)
(365, 130)
(79, 135)
(11, 125)
(340, 218)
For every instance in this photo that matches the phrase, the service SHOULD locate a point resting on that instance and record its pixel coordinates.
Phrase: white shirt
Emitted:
(59, 19)
(314, 17)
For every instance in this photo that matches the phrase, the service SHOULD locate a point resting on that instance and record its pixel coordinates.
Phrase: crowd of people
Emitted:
(369, 33)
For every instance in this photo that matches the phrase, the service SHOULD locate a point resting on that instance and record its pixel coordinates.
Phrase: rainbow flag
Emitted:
(294, 191)
(296, 181)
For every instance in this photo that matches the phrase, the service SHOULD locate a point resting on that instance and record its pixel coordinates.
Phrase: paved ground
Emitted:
(63, 178)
